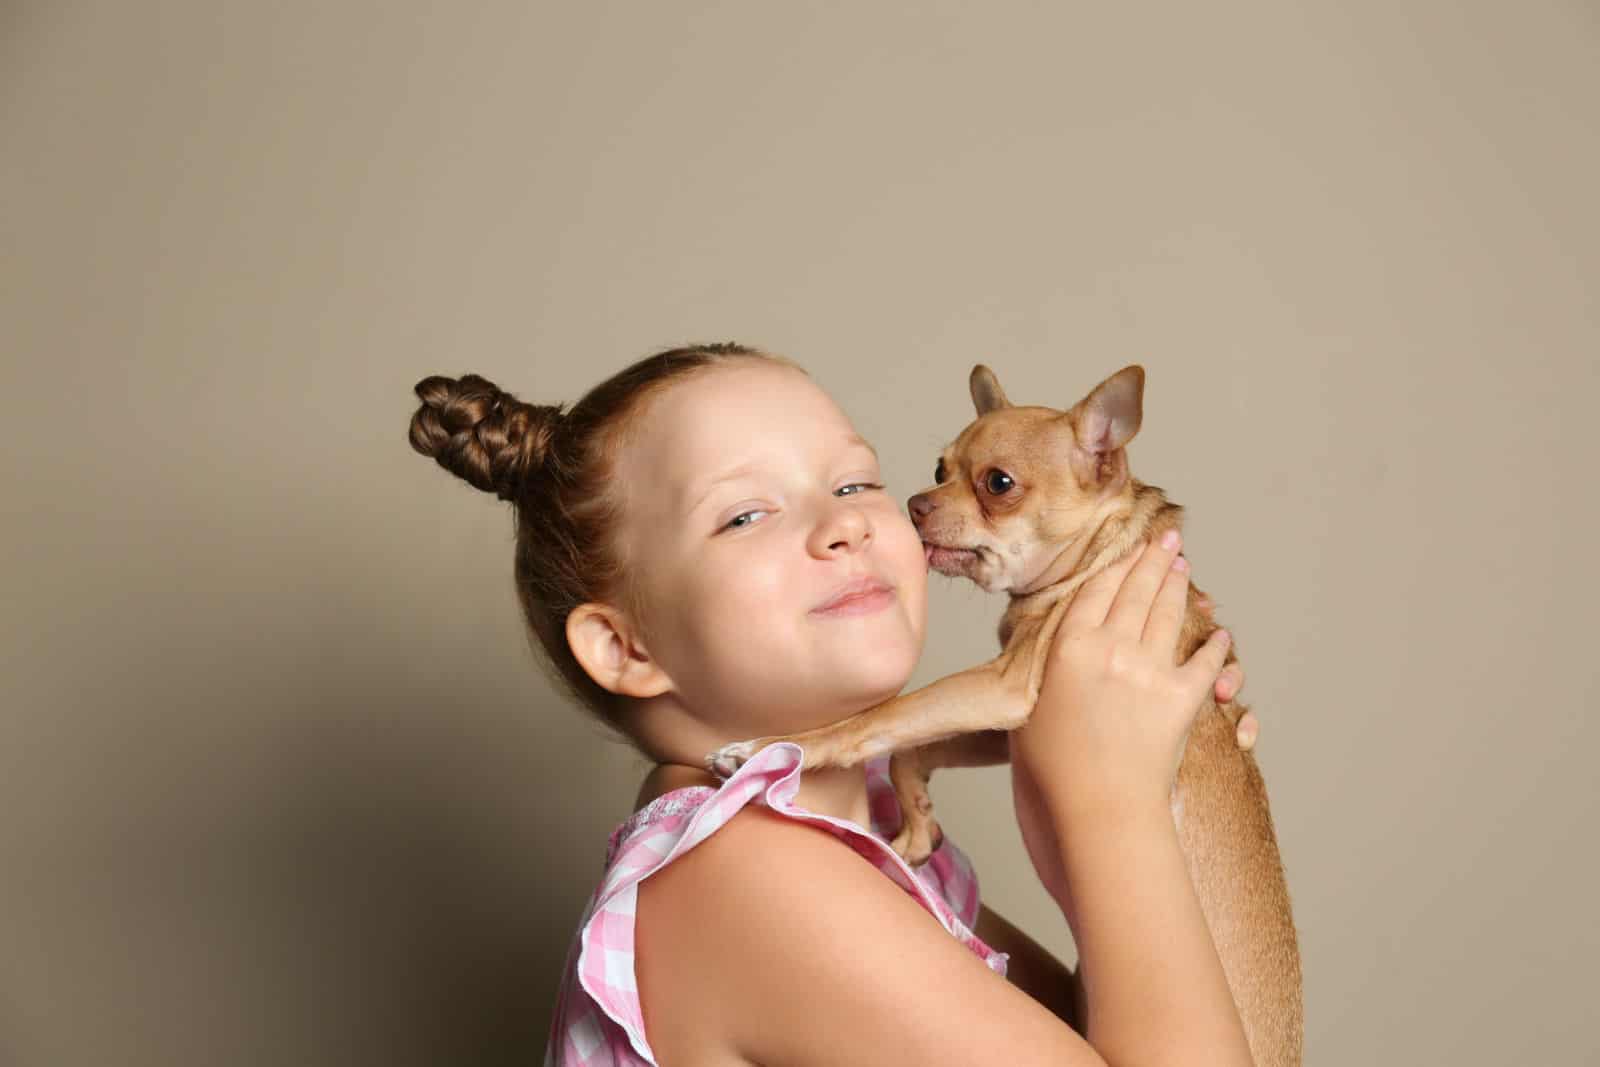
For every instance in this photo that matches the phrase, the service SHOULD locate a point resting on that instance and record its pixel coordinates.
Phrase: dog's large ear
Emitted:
(986, 392)
(1107, 419)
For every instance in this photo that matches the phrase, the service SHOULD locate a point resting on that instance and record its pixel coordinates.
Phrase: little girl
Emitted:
(678, 531)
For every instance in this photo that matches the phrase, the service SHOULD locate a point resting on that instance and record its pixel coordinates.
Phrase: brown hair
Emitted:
(557, 469)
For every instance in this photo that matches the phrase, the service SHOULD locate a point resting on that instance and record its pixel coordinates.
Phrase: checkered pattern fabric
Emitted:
(598, 1020)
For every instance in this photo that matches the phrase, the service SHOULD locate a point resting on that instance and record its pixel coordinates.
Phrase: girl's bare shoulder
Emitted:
(688, 961)
(774, 941)
(665, 777)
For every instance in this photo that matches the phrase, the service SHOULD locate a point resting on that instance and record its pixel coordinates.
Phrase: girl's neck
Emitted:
(840, 792)
(674, 740)
(837, 791)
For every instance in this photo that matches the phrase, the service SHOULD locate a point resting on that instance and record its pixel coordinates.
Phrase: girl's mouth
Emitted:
(861, 604)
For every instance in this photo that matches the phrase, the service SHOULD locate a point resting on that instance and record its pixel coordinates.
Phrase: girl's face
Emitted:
(750, 500)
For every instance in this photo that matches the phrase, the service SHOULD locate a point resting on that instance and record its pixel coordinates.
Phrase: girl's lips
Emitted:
(861, 604)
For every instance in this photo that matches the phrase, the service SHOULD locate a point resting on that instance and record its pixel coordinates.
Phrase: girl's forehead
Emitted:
(745, 408)
(743, 423)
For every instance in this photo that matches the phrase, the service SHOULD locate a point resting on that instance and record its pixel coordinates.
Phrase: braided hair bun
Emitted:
(478, 431)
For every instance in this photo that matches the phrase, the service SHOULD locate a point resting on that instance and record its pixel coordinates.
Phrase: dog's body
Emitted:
(1040, 500)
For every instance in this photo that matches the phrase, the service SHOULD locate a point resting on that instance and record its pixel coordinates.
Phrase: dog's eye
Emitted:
(938, 473)
(998, 482)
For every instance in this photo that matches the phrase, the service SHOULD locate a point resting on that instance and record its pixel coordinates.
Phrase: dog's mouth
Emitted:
(945, 558)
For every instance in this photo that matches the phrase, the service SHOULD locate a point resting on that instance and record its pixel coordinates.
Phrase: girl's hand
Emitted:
(1229, 682)
(1114, 707)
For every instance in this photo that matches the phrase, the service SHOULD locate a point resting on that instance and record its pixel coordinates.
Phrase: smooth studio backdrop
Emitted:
(280, 781)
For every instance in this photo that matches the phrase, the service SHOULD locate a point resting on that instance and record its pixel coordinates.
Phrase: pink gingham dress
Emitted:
(598, 1019)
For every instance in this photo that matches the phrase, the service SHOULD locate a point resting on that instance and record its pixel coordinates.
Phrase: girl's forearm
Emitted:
(1151, 979)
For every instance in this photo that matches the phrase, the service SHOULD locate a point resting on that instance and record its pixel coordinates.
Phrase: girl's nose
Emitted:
(847, 524)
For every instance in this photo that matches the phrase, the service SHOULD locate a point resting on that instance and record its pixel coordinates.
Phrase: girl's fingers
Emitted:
(1093, 598)
(1244, 734)
(1203, 667)
(1229, 682)
(1131, 608)
(1166, 614)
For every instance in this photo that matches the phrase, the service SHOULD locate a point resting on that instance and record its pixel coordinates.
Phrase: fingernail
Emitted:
(1169, 539)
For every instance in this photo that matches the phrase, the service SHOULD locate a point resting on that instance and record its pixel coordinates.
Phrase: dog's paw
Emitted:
(917, 840)
(729, 758)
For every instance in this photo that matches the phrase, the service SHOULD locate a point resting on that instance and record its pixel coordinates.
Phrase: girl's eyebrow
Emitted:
(726, 476)
(745, 468)
(857, 439)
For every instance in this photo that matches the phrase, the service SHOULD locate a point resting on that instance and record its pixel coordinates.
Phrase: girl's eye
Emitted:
(735, 524)
(731, 524)
(868, 485)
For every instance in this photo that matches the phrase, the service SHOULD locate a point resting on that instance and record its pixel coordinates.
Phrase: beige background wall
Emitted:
(279, 780)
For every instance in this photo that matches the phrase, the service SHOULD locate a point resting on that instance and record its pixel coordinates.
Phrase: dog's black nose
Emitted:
(919, 506)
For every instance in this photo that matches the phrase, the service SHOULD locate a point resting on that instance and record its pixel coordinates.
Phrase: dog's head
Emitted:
(1021, 483)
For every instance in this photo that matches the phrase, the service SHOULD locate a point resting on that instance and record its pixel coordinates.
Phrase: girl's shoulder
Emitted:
(667, 778)
(599, 1016)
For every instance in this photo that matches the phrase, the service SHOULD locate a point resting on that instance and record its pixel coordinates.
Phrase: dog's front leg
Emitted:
(909, 769)
(993, 695)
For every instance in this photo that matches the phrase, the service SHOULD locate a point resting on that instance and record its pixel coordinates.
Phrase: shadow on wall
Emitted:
(439, 880)
(332, 855)
(449, 916)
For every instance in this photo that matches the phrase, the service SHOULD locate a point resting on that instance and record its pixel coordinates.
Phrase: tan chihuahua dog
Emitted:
(1034, 501)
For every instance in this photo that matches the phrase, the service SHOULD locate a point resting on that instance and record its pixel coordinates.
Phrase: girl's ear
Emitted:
(606, 644)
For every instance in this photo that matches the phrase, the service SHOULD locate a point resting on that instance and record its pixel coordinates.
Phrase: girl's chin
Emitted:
(876, 686)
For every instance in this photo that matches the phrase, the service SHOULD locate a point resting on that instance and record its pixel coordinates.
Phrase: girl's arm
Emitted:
(772, 941)
(1092, 772)
(1153, 983)
(1033, 968)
